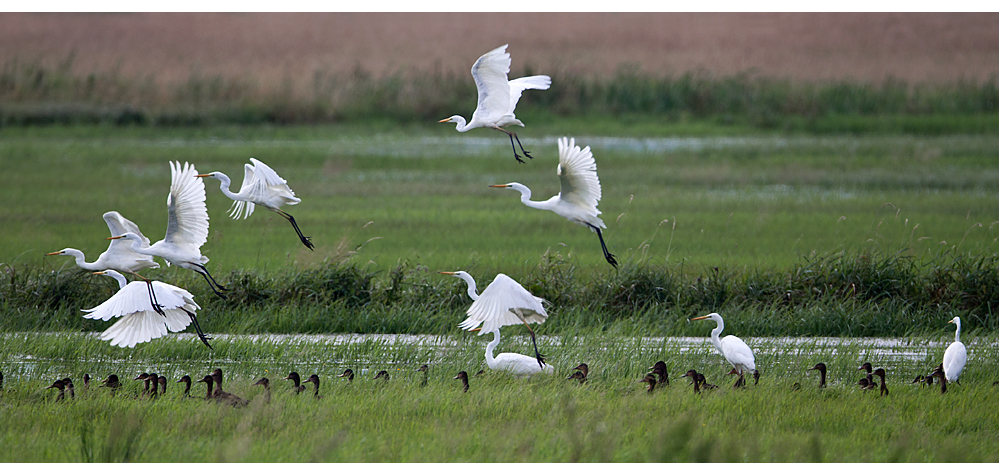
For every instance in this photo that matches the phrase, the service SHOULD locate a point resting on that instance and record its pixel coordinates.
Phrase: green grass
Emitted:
(501, 419)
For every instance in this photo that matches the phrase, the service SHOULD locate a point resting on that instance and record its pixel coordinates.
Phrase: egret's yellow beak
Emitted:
(54, 253)
(499, 186)
(475, 329)
(444, 120)
(115, 237)
(447, 273)
(699, 318)
(98, 273)
(951, 321)
(203, 175)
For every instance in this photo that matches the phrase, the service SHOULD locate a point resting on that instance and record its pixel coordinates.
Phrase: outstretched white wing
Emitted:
(518, 85)
(577, 175)
(499, 304)
(490, 75)
(187, 223)
(138, 322)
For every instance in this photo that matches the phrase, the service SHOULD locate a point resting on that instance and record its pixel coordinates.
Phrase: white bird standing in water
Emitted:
(579, 191)
(139, 322)
(735, 351)
(498, 96)
(504, 302)
(261, 186)
(187, 226)
(956, 355)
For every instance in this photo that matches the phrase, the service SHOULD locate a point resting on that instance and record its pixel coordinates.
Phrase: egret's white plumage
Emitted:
(187, 225)
(579, 191)
(519, 365)
(138, 321)
(261, 186)
(503, 302)
(735, 351)
(956, 355)
(498, 96)
(119, 255)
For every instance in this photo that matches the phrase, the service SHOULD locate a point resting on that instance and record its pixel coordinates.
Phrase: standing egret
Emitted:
(504, 302)
(956, 355)
(138, 322)
(735, 351)
(579, 191)
(498, 97)
(261, 186)
(187, 226)
(515, 363)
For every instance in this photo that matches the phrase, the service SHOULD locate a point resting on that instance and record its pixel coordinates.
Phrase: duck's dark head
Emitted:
(111, 381)
(185, 379)
(314, 379)
(880, 372)
(582, 367)
(347, 373)
(295, 378)
(462, 376)
(266, 383)
(864, 383)
(86, 379)
(58, 385)
(207, 379)
(423, 368)
(866, 366)
(382, 375)
(820, 367)
(691, 373)
(141, 377)
(577, 375)
(651, 379)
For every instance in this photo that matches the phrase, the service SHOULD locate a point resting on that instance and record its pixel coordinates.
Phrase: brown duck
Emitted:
(463, 376)
(314, 379)
(821, 368)
(296, 380)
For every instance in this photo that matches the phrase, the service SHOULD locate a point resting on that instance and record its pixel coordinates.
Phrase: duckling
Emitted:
(880, 372)
(583, 368)
(296, 380)
(266, 383)
(314, 379)
(349, 374)
(821, 368)
(186, 379)
(578, 375)
(864, 384)
(145, 387)
(68, 383)
(463, 376)
(651, 379)
(425, 370)
(86, 381)
(112, 382)
(224, 397)
(939, 373)
(660, 369)
(61, 386)
(698, 380)
(870, 377)
(382, 375)
(155, 380)
(162, 381)
(756, 377)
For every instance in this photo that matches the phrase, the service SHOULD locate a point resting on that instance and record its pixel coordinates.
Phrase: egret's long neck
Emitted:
(461, 125)
(957, 333)
(525, 197)
(471, 285)
(81, 261)
(490, 362)
(120, 278)
(138, 246)
(224, 183)
(714, 336)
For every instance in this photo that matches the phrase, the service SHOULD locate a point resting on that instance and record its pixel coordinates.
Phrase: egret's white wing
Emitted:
(495, 306)
(518, 85)
(187, 223)
(135, 328)
(737, 352)
(251, 187)
(122, 248)
(277, 192)
(134, 298)
(954, 359)
(490, 75)
(577, 175)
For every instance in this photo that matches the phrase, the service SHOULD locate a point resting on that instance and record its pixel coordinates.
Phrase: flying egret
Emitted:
(187, 226)
(504, 302)
(580, 191)
(498, 97)
(515, 363)
(956, 355)
(138, 322)
(261, 186)
(735, 351)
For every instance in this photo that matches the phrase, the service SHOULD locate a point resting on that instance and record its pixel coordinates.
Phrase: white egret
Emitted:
(498, 96)
(139, 322)
(187, 225)
(261, 186)
(579, 193)
(735, 351)
(119, 256)
(504, 302)
(956, 355)
(515, 363)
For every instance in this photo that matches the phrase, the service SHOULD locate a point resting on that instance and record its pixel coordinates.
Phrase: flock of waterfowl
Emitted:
(152, 309)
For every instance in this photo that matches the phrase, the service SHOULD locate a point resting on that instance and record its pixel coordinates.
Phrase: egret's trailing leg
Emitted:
(607, 255)
(305, 239)
(537, 354)
(197, 328)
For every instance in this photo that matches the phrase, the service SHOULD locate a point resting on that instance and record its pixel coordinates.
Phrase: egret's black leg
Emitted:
(152, 296)
(526, 153)
(197, 328)
(305, 239)
(211, 281)
(514, 147)
(537, 354)
(607, 255)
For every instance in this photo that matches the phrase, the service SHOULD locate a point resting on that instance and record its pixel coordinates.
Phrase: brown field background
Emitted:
(275, 49)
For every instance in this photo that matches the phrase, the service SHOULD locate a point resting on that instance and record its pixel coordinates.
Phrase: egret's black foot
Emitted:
(517, 157)
(527, 154)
